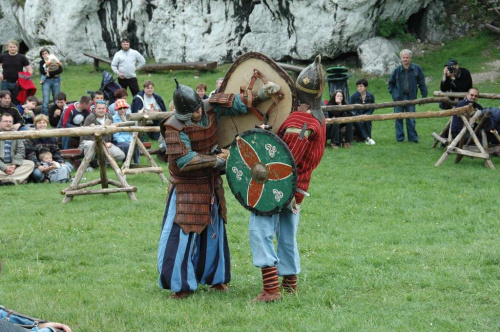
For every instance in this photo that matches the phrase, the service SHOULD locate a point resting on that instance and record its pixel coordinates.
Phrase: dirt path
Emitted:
(489, 75)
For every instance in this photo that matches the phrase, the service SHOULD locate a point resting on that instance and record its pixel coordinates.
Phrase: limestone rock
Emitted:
(378, 56)
(208, 30)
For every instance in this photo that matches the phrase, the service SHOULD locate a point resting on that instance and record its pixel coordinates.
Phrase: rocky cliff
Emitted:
(195, 30)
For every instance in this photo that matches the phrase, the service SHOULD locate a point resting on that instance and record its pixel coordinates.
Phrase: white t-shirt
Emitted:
(150, 103)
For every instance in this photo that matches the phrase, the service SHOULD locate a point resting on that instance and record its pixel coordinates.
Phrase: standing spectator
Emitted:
(125, 63)
(100, 117)
(6, 106)
(35, 146)
(403, 84)
(149, 101)
(123, 139)
(338, 98)
(51, 80)
(218, 83)
(74, 116)
(57, 109)
(455, 79)
(14, 168)
(201, 90)
(362, 96)
(12, 63)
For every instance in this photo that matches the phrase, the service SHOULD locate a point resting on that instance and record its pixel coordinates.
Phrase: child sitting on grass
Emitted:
(56, 171)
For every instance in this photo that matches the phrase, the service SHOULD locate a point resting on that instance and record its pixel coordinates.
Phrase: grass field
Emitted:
(388, 242)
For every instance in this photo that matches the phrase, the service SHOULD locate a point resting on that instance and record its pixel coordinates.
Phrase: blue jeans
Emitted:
(262, 230)
(12, 88)
(364, 129)
(51, 85)
(411, 125)
(124, 146)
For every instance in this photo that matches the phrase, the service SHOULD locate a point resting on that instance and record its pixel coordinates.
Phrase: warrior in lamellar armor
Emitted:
(193, 245)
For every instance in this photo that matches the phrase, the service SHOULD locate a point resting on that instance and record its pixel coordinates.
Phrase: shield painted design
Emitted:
(261, 172)
(242, 76)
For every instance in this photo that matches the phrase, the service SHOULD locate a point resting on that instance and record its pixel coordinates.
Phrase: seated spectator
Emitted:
(27, 111)
(148, 101)
(119, 94)
(362, 96)
(57, 109)
(74, 117)
(218, 83)
(201, 90)
(14, 169)
(6, 106)
(338, 98)
(99, 118)
(493, 125)
(35, 146)
(55, 172)
(96, 96)
(456, 122)
(123, 139)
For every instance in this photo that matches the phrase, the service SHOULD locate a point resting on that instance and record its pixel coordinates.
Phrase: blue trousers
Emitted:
(364, 129)
(263, 229)
(411, 125)
(184, 260)
(51, 85)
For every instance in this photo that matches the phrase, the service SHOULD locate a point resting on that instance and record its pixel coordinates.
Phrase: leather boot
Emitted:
(219, 287)
(289, 283)
(271, 291)
(180, 295)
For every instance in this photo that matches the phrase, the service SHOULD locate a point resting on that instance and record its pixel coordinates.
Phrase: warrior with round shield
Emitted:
(304, 134)
(193, 245)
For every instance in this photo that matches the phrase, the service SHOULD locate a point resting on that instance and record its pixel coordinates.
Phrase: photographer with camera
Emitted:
(455, 79)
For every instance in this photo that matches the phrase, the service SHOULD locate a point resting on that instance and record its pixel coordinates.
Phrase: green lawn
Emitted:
(388, 241)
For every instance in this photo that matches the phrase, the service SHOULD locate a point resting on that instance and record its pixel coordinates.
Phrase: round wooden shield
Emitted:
(240, 75)
(261, 172)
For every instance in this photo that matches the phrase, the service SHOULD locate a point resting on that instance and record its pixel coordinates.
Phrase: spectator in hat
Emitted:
(123, 139)
(455, 79)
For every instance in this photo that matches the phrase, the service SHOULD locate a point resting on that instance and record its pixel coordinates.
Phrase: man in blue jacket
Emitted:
(403, 84)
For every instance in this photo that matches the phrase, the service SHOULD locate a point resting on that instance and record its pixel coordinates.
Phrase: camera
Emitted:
(451, 69)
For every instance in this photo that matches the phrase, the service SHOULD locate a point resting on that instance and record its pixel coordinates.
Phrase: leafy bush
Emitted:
(398, 29)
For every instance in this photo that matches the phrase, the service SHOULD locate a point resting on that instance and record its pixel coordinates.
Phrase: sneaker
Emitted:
(369, 141)
(89, 169)
(347, 145)
(334, 146)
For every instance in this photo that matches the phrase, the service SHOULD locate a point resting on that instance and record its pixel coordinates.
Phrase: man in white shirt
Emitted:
(125, 63)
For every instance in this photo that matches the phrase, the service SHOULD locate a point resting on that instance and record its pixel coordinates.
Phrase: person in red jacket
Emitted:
(304, 134)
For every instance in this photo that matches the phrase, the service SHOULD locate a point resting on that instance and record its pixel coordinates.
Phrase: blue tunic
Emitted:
(187, 259)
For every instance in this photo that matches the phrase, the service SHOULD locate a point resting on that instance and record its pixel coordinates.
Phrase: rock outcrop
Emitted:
(196, 30)
(378, 56)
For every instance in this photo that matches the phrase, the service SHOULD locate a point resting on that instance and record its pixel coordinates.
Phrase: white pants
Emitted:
(21, 173)
(114, 151)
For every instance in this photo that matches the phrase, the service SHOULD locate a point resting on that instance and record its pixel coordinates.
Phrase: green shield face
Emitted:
(261, 172)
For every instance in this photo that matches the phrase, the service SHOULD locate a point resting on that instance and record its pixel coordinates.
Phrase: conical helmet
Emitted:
(186, 102)
(310, 85)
